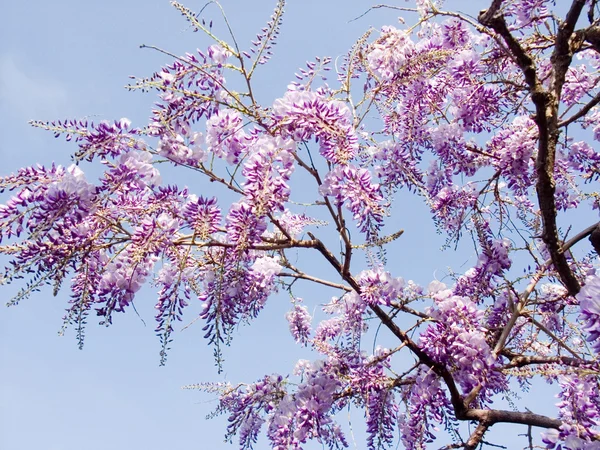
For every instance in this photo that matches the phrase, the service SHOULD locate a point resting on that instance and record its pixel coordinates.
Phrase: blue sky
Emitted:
(71, 59)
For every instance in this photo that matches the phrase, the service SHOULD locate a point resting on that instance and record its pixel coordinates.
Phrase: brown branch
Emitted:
(461, 409)
(546, 118)
(477, 436)
(554, 337)
(582, 112)
(493, 416)
(522, 360)
(386, 320)
(303, 276)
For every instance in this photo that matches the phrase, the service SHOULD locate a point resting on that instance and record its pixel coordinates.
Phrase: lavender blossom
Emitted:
(589, 302)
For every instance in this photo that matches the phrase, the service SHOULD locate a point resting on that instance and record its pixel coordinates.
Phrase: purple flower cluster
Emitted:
(304, 114)
(458, 340)
(236, 287)
(353, 185)
(267, 170)
(349, 310)
(291, 418)
(449, 145)
(300, 322)
(528, 12)
(104, 140)
(579, 409)
(294, 224)
(225, 135)
(451, 206)
(190, 89)
(584, 159)
(427, 403)
(369, 383)
(202, 215)
(128, 271)
(174, 295)
(263, 45)
(515, 147)
(378, 287)
(395, 166)
(493, 261)
(589, 302)
(133, 173)
(248, 405)
(175, 148)
(55, 209)
(390, 53)
(243, 226)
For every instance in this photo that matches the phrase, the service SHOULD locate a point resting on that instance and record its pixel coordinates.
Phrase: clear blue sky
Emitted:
(71, 59)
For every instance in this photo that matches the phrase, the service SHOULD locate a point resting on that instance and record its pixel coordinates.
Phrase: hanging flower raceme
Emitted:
(396, 167)
(378, 287)
(244, 226)
(300, 322)
(390, 53)
(307, 413)
(589, 302)
(55, 208)
(267, 170)
(458, 340)
(202, 215)
(348, 319)
(105, 140)
(352, 185)
(174, 147)
(128, 271)
(133, 172)
(225, 135)
(515, 146)
(294, 224)
(174, 295)
(189, 87)
(236, 287)
(478, 282)
(304, 114)
(579, 410)
(426, 403)
(292, 417)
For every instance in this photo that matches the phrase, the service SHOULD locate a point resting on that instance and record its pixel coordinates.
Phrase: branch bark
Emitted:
(546, 117)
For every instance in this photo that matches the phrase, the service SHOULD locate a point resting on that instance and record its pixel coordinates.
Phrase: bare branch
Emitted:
(477, 436)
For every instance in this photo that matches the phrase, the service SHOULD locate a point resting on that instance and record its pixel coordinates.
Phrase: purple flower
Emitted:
(218, 54)
(388, 54)
(299, 320)
(579, 408)
(175, 148)
(133, 172)
(225, 135)
(243, 225)
(457, 339)
(202, 215)
(352, 185)
(395, 166)
(426, 403)
(589, 302)
(378, 287)
(267, 170)
(304, 114)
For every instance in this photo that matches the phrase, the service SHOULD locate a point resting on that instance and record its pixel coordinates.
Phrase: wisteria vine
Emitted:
(492, 122)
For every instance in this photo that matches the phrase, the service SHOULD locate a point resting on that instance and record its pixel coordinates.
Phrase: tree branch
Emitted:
(546, 118)
(477, 436)
(582, 112)
(522, 360)
(491, 416)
